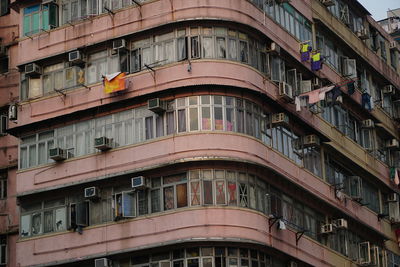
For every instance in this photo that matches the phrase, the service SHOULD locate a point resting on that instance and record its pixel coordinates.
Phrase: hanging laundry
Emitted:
(281, 225)
(305, 52)
(396, 177)
(316, 95)
(300, 101)
(366, 101)
(392, 173)
(351, 88)
(316, 61)
(324, 90)
(336, 92)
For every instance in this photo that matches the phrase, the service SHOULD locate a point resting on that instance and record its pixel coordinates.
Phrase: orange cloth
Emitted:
(114, 82)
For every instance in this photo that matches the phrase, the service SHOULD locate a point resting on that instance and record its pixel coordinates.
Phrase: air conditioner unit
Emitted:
(156, 105)
(3, 124)
(118, 44)
(92, 192)
(340, 223)
(367, 123)
(280, 119)
(102, 262)
(13, 112)
(328, 3)
(285, 91)
(33, 70)
(393, 197)
(75, 57)
(139, 182)
(363, 34)
(306, 86)
(316, 83)
(327, 228)
(311, 140)
(58, 154)
(393, 45)
(274, 48)
(392, 144)
(103, 143)
(388, 89)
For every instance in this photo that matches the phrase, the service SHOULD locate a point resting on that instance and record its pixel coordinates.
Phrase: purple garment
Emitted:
(316, 65)
(305, 56)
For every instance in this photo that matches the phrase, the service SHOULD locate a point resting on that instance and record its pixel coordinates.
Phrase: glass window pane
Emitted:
(181, 195)
(207, 192)
(194, 122)
(169, 198)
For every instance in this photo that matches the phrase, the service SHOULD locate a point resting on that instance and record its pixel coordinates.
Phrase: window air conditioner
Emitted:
(274, 49)
(58, 154)
(92, 192)
(102, 262)
(392, 197)
(118, 44)
(316, 83)
(363, 34)
(12, 112)
(102, 143)
(328, 3)
(327, 228)
(32, 70)
(392, 144)
(156, 105)
(340, 223)
(311, 140)
(280, 119)
(3, 124)
(367, 124)
(285, 91)
(75, 57)
(388, 89)
(139, 182)
(306, 86)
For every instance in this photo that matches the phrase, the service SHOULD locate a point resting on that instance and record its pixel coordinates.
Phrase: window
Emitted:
(3, 185)
(3, 250)
(4, 7)
(73, 10)
(175, 191)
(43, 217)
(40, 17)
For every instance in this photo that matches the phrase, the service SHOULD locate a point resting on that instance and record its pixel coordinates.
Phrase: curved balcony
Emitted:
(205, 224)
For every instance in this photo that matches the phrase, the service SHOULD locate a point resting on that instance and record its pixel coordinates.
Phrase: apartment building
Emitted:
(215, 133)
(392, 23)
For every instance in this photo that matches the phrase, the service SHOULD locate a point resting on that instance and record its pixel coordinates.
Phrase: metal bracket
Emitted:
(60, 92)
(110, 12)
(299, 235)
(273, 220)
(140, 7)
(382, 216)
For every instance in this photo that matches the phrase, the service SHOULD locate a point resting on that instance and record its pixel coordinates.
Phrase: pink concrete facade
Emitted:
(273, 183)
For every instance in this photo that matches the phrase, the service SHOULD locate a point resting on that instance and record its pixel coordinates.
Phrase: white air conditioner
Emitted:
(306, 86)
(328, 2)
(280, 119)
(363, 34)
(392, 144)
(327, 228)
(13, 112)
(75, 57)
(103, 143)
(57, 154)
(32, 70)
(3, 124)
(340, 223)
(349, 68)
(118, 44)
(92, 192)
(311, 140)
(367, 123)
(156, 105)
(274, 48)
(102, 262)
(392, 197)
(139, 182)
(388, 89)
(393, 45)
(285, 91)
(316, 83)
